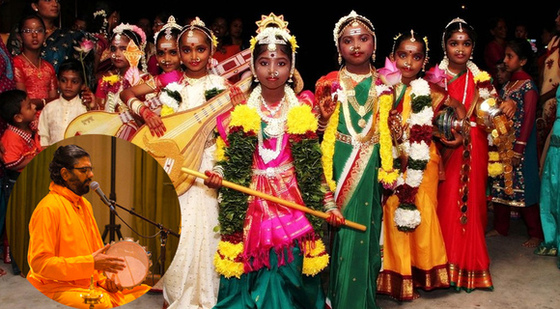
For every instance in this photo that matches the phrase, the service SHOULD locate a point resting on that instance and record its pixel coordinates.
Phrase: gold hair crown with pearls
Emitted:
(269, 29)
(197, 23)
(171, 24)
(357, 19)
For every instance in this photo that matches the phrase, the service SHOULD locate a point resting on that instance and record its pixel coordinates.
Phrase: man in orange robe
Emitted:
(65, 247)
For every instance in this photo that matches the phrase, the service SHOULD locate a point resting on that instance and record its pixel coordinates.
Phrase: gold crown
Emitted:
(272, 19)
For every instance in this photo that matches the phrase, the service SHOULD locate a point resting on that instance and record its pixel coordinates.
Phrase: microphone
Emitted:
(95, 187)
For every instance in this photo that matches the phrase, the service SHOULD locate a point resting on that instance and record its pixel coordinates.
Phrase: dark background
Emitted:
(313, 25)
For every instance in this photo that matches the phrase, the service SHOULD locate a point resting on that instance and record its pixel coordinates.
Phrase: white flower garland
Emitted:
(167, 99)
(254, 102)
(407, 217)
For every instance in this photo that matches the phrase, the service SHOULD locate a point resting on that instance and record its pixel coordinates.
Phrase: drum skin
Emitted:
(137, 262)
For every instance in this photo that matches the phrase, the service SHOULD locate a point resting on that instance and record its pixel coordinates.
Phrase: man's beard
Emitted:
(80, 188)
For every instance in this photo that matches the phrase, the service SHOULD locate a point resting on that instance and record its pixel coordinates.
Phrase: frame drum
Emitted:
(137, 262)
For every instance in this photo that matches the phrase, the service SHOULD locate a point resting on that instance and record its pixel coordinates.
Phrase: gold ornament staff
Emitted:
(274, 199)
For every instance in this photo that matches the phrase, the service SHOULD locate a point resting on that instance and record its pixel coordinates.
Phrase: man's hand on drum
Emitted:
(107, 263)
(112, 287)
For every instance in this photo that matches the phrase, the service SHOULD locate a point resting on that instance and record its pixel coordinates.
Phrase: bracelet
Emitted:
(135, 105)
(218, 169)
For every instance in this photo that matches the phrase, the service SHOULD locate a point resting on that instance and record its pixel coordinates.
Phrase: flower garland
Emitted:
(327, 147)
(387, 174)
(237, 160)
(407, 216)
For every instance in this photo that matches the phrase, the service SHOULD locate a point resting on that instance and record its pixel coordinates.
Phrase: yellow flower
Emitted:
(224, 259)
(252, 43)
(166, 110)
(220, 149)
(495, 169)
(327, 147)
(230, 250)
(316, 258)
(293, 42)
(246, 117)
(387, 175)
(301, 119)
(491, 102)
(482, 77)
(111, 79)
(493, 156)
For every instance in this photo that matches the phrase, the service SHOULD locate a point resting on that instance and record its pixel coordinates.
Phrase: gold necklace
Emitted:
(361, 110)
(39, 74)
(509, 89)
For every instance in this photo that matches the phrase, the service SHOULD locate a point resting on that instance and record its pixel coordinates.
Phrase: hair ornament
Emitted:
(99, 13)
(269, 29)
(171, 24)
(457, 20)
(122, 27)
(412, 38)
(357, 19)
(197, 23)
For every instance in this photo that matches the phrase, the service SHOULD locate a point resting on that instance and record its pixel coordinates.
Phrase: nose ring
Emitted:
(275, 73)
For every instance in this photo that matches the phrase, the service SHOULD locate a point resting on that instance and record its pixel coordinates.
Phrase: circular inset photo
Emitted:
(92, 221)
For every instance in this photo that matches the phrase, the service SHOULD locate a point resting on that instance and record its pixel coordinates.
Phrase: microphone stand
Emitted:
(112, 227)
(164, 232)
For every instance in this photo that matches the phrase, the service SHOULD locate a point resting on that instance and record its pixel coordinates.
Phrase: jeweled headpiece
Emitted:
(198, 24)
(356, 19)
(171, 24)
(273, 30)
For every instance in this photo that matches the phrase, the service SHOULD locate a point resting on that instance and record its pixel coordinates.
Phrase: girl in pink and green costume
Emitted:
(270, 255)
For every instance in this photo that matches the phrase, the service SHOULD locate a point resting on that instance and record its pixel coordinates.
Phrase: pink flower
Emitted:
(391, 73)
(85, 46)
(436, 75)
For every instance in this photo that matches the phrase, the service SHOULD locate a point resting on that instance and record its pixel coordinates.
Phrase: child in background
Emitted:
(33, 74)
(129, 69)
(56, 116)
(523, 91)
(168, 60)
(502, 75)
(20, 141)
(413, 256)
